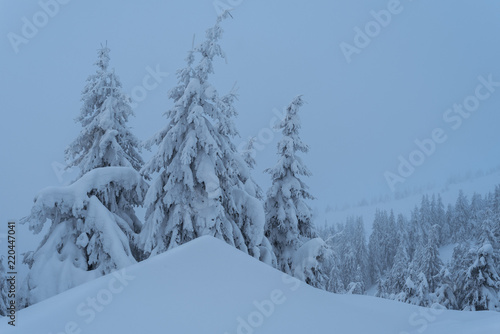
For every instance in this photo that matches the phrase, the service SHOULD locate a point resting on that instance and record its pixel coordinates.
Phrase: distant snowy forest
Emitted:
(197, 183)
(402, 254)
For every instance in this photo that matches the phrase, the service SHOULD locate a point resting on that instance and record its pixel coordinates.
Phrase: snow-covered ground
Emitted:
(208, 287)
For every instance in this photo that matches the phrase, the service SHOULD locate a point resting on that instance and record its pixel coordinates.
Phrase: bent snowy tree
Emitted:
(88, 235)
(93, 225)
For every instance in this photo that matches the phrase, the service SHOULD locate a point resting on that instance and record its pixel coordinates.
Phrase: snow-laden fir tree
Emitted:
(361, 246)
(105, 139)
(310, 263)
(382, 244)
(288, 216)
(3, 289)
(494, 211)
(203, 185)
(396, 277)
(463, 257)
(444, 294)
(92, 223)
(439, 217)
(461, 219)
(335, 283)
(376, 247)
(425, 217)
(482, 282)
(488, 232)
(421, 291)
(351, 245)
(357, 285)
(446, 232)
(428, 261)
(248, 154)
(424, 272)
(415, 234)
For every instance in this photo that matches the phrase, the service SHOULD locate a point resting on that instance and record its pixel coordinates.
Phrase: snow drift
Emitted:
(209, 287)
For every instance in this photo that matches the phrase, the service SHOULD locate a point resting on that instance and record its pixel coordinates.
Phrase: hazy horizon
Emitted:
(362, 113)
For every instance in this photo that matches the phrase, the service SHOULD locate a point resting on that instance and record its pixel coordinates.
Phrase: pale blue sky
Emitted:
(359, 117)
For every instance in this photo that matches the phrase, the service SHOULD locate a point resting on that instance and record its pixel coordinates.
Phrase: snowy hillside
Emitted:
(480, 184)
(208, 287)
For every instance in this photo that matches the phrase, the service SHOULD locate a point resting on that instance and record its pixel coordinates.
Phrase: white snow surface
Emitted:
(209, 287)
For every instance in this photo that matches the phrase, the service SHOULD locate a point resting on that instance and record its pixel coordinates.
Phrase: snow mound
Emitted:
(306, 257)
(209, 287)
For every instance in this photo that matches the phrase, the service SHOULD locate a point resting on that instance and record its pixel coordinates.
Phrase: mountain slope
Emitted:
(207, 287)
(481, 184)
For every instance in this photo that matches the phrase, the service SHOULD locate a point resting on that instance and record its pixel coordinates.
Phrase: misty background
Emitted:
(359, 117)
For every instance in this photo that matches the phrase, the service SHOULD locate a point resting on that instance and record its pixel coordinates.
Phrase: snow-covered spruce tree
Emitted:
(415, 233)
(249, 157)
(3, 289)
(444, 293)
(421, 295)
(361, 246)
(310, 263)
(463, 257)
(347, 251)
(446, 232)
(494, 216)
(416, 288)
(335, 283)
(428, 261)
(439, 217)
(376, 247)
(288, 217)
(87, 236)
(351, 245)
(105, 139)
(482, 283)
(489, 233)
(202, 184)
(477, 213)
(396, 278)
(92, 221)
(248, 152)
(424, 272)
(425, 217)
(460, 223)
(382, 244)
(357, 285)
